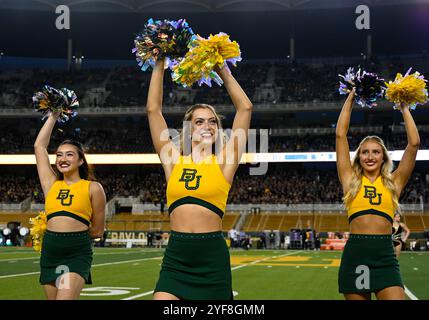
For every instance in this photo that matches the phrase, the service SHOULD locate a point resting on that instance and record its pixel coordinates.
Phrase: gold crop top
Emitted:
(372, 198)
(198, 183)
(72, 201)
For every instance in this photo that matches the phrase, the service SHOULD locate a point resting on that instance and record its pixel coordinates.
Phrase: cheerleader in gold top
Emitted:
(400, 234)
(371, 190)
(75, 211)
(196, 263)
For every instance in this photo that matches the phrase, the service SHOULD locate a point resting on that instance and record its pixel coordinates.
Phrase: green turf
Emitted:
(415, 273)
(257, 274)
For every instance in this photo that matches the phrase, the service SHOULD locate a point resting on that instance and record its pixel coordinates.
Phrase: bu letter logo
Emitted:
(63, 195)
(371, 194)
(188, 176)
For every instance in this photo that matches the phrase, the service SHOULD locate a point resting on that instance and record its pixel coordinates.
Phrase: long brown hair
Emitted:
(85, 170)
(386, 173)
(187, 127)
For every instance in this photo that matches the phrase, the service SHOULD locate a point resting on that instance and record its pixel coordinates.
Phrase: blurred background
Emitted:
(293, 52)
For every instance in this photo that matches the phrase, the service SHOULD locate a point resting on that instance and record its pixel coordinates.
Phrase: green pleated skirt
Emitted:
(64, 252)
(368, 264)
(196, 266)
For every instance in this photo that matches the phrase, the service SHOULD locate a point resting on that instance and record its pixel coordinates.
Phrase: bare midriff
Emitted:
(65, 224)
(192, 218)
(370, 224)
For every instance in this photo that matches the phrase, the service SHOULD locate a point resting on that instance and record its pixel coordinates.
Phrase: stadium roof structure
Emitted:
(142, 6)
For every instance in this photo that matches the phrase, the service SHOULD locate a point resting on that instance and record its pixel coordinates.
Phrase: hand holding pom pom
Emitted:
(203, 57)
(62, 103)
(162, 39)
(408, 90)
(368, 87)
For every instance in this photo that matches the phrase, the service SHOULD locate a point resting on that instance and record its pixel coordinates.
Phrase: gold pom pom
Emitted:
(204, 56)
(38, 229)
(409, 90)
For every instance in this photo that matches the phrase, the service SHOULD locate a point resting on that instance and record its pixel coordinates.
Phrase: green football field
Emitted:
(131, 274)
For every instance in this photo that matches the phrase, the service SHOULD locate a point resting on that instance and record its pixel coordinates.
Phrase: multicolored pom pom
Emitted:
(203, 56)
(409, 90)
(56, 100)
(162, 39)
(369, 87)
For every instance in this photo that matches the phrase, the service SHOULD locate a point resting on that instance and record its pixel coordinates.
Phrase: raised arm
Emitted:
(98, 203)
(406, 165)
(164, 147)
(47, 175)
(240, 127)
(344, 166)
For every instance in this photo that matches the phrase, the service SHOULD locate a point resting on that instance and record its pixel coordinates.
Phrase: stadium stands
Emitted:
(22, 218)
(285, 222)
(156, 221)
(278, 186)
(277, 83)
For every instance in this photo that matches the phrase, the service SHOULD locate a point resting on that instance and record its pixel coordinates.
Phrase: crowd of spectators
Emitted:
(326, 142)
(277, 186)
(284, 82)
(16, 188)
(135, 138)
(127, 86)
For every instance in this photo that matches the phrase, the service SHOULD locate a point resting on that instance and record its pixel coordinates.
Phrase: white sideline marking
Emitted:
(257, 261)
(95, 265)
(16, 259)
(19, 274)
(95, 254)
(138, 295)
(410, 294)
(235, 268)
(128, 261)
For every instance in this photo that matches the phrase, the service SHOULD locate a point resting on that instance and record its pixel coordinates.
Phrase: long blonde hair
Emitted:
(386, 174)
(187, 128)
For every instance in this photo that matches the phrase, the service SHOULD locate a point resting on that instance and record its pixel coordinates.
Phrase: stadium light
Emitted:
(23, 231)
(146, 158)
